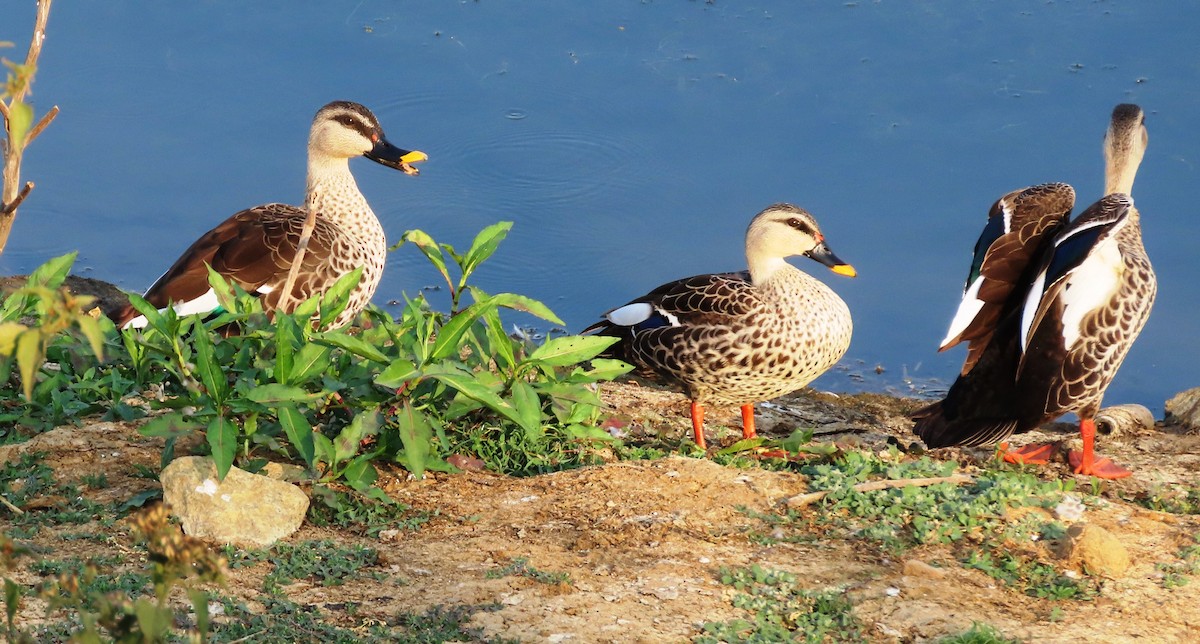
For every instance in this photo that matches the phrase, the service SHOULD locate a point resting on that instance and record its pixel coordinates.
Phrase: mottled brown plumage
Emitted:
(741, 338)
(1061, 332)
(255, 248)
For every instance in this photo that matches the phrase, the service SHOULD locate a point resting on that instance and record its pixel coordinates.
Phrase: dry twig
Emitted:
(804, 500)
(12, 194)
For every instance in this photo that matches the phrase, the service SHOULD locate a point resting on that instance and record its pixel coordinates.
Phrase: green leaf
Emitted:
(199, 600)
(154, 621)
(222, 439)
(287, 338)
(154, 318)
(432, 252)
(529, 410)
(397, 374)
(168, 425)
(299, 432)
(9, 332)
(361, 476)
(468, 386)
(310, 361)
(449, 337)
(20, 119)
(29, 355)
(323, 447)
(90, 327)
(223, 289)
(352, 344)
(501, 344)
(207, 367)
(54, 272)
(349, 441)
(527, 305)
(570, 349)
(12, 601)
(482, 248)
(417, 437)
(274, 393)
(336, 297)
(605, 369)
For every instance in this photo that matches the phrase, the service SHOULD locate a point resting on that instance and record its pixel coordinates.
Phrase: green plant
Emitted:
(351, 511)
(521, 568)
(410, 389)
(323, 561)
(55, 310)
(780, 610)
(110, 604)
(979, 634)
(1175, 575)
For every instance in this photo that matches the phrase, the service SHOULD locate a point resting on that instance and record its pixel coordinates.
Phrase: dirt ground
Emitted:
(642, 541)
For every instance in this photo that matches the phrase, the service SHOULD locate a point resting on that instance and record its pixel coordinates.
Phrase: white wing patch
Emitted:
(967, 310)
(1088, 286)
(202, 304)
(630, 314)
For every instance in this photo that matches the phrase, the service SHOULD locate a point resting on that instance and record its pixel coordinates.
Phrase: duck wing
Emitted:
(1080, 272)
(651, 327)
(1017, 225)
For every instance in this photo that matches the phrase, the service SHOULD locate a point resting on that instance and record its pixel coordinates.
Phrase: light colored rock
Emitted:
(1183, 410)
(1124, 420)
(1095, 549)
(245, 509)
(918, 568)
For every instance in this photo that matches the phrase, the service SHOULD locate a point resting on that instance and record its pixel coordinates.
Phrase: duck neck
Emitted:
(333, 194)
(762, 269)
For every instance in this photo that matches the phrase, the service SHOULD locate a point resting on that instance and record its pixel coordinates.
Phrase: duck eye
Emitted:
(794, 223)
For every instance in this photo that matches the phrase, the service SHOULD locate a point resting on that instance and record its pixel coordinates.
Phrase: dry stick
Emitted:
(803, 500)
(310, 223)
(10, 198)
(10, 506)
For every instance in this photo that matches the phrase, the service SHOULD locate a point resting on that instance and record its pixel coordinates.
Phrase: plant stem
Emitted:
(11, 195)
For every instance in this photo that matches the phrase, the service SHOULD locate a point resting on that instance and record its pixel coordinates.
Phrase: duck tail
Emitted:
(939, 428)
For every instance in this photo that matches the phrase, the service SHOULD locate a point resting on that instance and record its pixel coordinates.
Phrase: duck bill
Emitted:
(384, 153)
(825, 256)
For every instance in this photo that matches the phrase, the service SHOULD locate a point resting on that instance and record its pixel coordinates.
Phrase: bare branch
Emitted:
(41, 125)
(9, 208)
(310, 222)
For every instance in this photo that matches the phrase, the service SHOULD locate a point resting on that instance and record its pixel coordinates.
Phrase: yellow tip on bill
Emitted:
(844, 269)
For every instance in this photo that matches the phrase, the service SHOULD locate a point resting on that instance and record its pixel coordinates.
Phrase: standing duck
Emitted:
(741, 338)
(255, 247)
(1049, 312)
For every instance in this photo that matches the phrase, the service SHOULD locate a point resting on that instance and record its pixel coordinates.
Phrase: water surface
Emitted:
(630, 142)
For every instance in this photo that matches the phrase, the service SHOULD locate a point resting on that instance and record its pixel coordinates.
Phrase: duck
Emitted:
(1050, 309)
(255, 248)
(744, 337)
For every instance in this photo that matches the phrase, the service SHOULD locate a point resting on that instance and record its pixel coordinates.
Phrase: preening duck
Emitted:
(741, 338)
(1050, 309)
(255, 247)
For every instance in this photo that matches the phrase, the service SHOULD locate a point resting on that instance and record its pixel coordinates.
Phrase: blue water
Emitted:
(630, 142)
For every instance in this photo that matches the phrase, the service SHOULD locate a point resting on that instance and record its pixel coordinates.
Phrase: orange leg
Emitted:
(748, 421)
(1033, 454)
(698, 424)
(1086, 463)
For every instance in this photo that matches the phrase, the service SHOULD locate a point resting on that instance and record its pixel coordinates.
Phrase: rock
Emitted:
(245, 509)
(1124, 420)
(1183, 410)
(1095, 549)
(918, 568)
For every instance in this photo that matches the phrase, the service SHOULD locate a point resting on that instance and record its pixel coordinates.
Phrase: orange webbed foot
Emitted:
(1101, 468)
(1033, 454)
